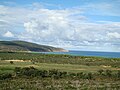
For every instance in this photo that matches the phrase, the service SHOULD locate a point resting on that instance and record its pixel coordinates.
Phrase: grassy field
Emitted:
(5, 65)
(59, 72)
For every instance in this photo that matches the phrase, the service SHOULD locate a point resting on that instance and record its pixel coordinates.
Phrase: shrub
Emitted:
(80, 75)
(5, 76)
(17, 70)
(89, 76)
(29, 71)
(11, 62)
(53, 72)
(108, 73)
(63, 74)
(72, 75)
(100, 71)
(43, 73)
(118, 74)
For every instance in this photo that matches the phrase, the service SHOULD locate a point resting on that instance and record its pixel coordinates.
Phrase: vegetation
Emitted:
(33, 79)
(11, 62)
(34, 71)
(25, 46)
(61, 59)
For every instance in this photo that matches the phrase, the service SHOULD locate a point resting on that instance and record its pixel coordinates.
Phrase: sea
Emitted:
(89, 53)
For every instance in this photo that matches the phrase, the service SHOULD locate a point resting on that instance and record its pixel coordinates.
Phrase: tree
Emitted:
(11, 62)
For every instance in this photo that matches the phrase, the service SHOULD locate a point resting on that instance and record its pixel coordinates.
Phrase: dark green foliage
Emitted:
(57, 74)
(33, 72)
(63, 74)
(118, 74)
(73, 75)
(4, 76)
(28, 71)
(53, 72)
(81, 75)
(43, 73)
(89, 76)
(100, 71)
(17, 70)
(108, 73)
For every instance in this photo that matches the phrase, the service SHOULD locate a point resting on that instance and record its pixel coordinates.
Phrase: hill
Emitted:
(27, 46)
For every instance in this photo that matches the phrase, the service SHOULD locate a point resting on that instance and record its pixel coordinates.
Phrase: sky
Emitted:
(87, 25)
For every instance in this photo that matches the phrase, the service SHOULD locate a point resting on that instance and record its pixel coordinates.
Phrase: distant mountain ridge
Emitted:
(21, 46)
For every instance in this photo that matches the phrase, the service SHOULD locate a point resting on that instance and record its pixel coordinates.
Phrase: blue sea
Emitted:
(89, 53)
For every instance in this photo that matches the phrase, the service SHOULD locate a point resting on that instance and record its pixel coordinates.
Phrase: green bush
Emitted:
(89, 75)
(33, 72)
(100, 72)
(17, 70)
(108, 73)
(118, 74)
(80, 75)
(5, 76)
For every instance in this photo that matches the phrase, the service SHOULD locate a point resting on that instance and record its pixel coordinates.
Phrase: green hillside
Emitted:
(27, 46)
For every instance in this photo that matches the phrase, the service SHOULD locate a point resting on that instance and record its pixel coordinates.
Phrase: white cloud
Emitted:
(115, 35)
(8, 34)
(66, 28)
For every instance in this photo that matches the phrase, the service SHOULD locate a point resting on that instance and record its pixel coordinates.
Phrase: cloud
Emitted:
(67, 28)
(114, 35)
(8, 34)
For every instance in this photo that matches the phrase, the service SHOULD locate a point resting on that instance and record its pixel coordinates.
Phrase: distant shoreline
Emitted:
(87, 53)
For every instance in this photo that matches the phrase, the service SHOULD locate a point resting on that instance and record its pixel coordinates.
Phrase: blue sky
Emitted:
(71, 24)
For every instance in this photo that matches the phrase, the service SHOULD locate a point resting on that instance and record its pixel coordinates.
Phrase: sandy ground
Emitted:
(18, 60)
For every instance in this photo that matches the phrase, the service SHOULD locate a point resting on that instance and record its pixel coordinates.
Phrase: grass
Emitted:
(70, 64)
(5, 65)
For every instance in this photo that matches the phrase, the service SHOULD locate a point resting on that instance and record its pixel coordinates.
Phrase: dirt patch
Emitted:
(18, 60)
(105, 66)
(79, 69)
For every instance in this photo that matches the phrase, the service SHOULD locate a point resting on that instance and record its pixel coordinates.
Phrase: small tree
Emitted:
(11, 62)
